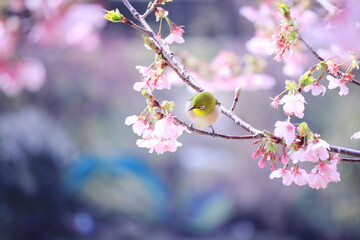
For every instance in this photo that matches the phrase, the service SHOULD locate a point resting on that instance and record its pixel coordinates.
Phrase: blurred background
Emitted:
(70, 167)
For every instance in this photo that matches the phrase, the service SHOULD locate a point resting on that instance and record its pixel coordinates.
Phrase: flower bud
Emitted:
(114, 16)
(160, 13)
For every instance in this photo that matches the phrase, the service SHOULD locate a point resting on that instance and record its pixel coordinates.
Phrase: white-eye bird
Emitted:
(203, 109)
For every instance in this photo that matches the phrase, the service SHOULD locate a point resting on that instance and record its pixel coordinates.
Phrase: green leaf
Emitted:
(321, 66)
(165, 1)
(271, 147)
(113, 16)
(290, 85)
(284, 9)
(303, 129)
(307, 80)
(149, 42)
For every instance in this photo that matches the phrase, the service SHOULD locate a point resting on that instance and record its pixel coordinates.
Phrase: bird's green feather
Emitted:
(203, 103)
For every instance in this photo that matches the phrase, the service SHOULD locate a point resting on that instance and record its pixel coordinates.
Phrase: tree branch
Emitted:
(310, 48)
(236, 99)
(176, 65)
(179, 68)
(345, 151)
(201, 132)
(151, 8)
(352, 160)
(132, 24)
(340, 75)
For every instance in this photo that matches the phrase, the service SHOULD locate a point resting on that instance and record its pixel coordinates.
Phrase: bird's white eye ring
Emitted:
(201, 107)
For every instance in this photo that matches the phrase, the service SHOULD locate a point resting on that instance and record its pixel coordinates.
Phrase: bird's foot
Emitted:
(212, 131)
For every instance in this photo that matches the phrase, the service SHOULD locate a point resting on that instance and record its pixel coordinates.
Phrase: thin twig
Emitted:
(132, 24)
(310, 48)
(151, 8)
(236, 99)
(345, 151)
(241, 122)
(352, 160)
(172, 62)
(340, 73)
(355, 82)
(186, 80)
(201, 132)
(180, 69)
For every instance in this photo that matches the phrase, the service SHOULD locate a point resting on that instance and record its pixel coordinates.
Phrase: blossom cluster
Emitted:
(158, 130)
(283, 41)
(299, 146)
(293, 101)
(156, 125)
(304, 147)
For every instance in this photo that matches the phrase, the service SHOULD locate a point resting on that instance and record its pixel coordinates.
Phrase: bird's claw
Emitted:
(212, 131)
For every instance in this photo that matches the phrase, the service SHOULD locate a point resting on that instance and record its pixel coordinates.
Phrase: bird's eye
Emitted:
(201, 107)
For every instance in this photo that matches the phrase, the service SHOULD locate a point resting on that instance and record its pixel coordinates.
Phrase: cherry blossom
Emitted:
(316, 89)
(300, 176)
(162, 138)
(329, 170)
(159, 145)
(348, 77)
(335, 82)
(332, 67)
(166, 128)
(263, 161)
(317, 151)
(286, 175)
(312, 152)
(316, 179)
(286, 130)
(298, 155)
(275, 102)
(284, 158)
(282, 43)
(322, 174)
(152, 80)
(139, 124)
(293, 105)
(176, 35)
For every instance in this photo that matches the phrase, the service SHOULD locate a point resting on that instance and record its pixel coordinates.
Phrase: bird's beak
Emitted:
(192, 108)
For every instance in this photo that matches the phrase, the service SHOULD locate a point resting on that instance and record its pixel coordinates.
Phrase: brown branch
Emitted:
(132, 24)
(310, 48)
(201, 132)
(184, 79)
(236, 99)
(241, 122)
(345, 151)
(340, 75)
(179, 68)
(352, 160)
(151, 8)
(355, 82)
(176, 65)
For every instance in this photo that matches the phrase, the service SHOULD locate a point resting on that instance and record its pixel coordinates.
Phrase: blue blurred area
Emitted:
(124, 185)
